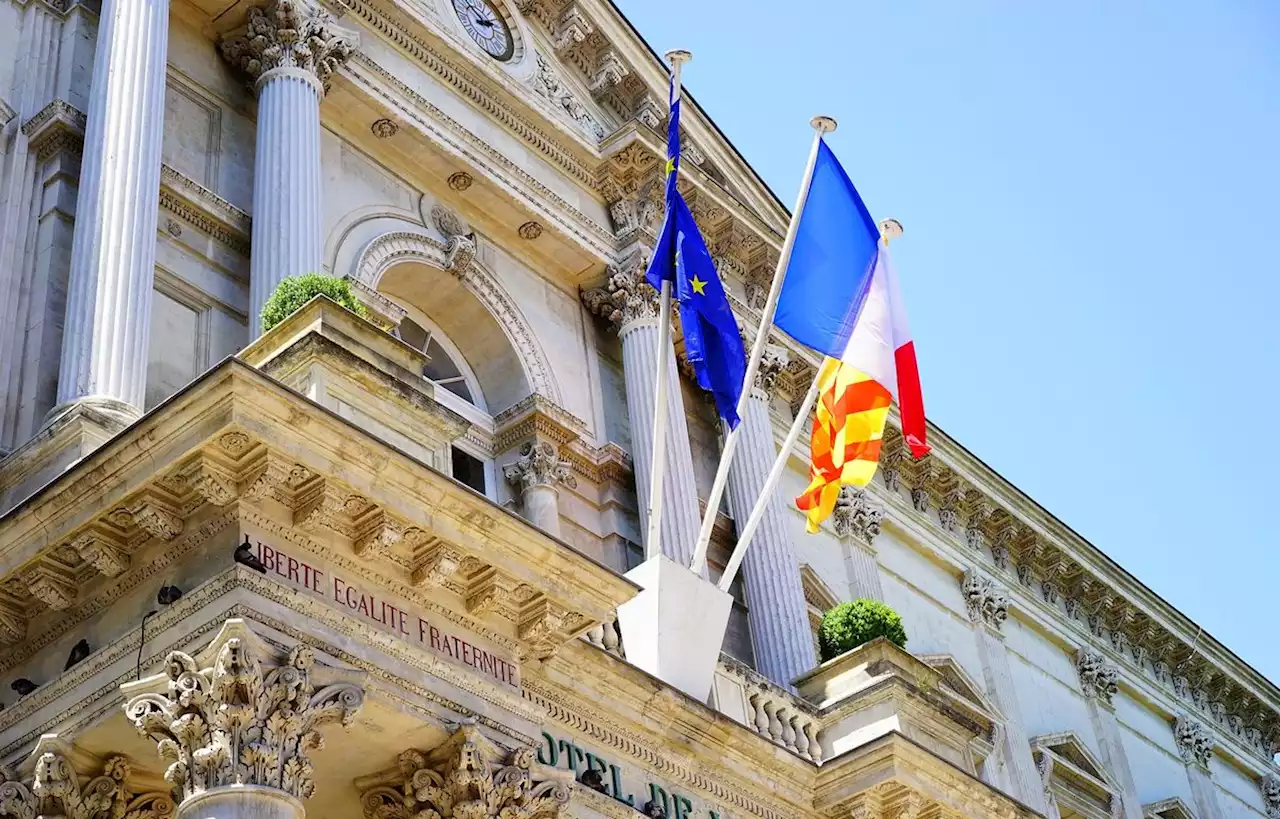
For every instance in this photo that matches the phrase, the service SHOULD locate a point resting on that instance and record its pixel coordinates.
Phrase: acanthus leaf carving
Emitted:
(1195, 742)
(1098, 678)
(855, 515)
(625, 299)
(1270, 786)
(236, 723)
(987, 602)
(468, 777)
(539, 464)
(289, 34)
(55, 792)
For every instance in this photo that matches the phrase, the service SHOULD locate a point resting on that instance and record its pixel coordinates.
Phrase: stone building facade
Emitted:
(371, 566)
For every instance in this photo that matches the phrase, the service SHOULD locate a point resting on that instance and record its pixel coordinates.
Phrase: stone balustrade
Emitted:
(770, 711)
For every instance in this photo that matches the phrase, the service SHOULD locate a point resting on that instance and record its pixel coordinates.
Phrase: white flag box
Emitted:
(673, 629)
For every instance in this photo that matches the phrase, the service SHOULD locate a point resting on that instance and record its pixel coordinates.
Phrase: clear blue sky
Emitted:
(1091, 197)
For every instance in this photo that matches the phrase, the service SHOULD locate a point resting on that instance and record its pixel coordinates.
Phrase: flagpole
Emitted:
(888, 231)
(657, 459)
(821, 125)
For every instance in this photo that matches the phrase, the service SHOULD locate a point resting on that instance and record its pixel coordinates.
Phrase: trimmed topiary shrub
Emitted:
(849, 625)
(296, 291)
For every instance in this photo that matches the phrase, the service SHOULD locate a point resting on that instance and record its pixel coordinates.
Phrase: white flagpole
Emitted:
(657, 459)
(821, 125)
(780, 463)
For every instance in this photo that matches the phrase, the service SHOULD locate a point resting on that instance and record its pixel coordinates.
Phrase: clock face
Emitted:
(487, 27)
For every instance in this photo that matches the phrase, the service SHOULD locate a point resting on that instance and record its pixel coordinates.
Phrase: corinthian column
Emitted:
(113, 251)
(776, 609)
(289, 51)
(537, 472)
(628, 302)
(256, 764)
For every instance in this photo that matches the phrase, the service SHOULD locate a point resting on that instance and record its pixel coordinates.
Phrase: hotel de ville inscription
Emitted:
(311, 576)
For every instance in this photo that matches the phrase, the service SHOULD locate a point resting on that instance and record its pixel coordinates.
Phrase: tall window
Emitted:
(445, 365)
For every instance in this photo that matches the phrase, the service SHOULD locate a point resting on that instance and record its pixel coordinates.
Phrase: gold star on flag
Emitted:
(671, 165)
(698, 284)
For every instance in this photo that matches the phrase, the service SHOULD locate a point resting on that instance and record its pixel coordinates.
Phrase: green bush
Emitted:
(849, 625)
(296, 291)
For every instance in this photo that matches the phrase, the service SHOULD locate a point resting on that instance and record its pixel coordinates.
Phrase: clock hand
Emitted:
(483, 22)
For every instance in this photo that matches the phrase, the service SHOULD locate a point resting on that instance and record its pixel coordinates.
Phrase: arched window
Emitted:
(445, 365)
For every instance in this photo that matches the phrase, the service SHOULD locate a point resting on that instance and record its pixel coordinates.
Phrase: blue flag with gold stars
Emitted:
(712, 343)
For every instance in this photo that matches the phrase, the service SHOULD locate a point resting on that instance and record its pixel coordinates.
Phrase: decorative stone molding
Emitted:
(225, 720)
(1098, 678)
(1195, 742)
(384, 128)
(468, 777)
(460, 181)
(57, 127)
(529, 230)
(624, 299)
(6, 113)
(856, 515)
(288, 34)
(391, 248)
(986, 601)
(1270, 786)
(55, 791)
(539, 464)
(547, 83)
(205, 210)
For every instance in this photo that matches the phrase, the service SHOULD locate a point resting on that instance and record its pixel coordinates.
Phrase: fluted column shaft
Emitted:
(286, 184)
(680, 520)
(862, 569)
(1111, 751)
(108, 320)
(776, 609)
(1024, 779)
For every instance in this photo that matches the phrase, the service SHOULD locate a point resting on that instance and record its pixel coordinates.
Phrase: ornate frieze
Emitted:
(985, 600)
(1098, 678)
(236, 722)
(1195, 742)
(856, 515)
(468, 777)
(289, 34)
(772, 364)
(539, 464)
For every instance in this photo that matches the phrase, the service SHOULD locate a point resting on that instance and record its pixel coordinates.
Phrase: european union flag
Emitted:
(712, 343)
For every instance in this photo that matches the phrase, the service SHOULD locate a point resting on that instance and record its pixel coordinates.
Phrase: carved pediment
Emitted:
(958, 682)
(817, 593)
(1073, 777)
(1173, 808)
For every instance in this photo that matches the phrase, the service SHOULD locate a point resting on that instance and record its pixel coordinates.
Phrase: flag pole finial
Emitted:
(677, 56)
(890, 229)
(823, 125)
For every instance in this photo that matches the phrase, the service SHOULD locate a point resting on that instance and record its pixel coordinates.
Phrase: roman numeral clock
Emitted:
(487, 26)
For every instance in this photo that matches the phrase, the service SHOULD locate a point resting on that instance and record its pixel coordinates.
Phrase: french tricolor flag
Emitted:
(841, 297)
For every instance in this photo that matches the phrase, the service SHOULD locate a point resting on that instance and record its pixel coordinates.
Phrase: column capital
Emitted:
(1270, 786)
(49, 784)
(1098, 678)
(987, 602)
(255, 724)
(625, 300)
(539, 464)
(1195, 741)
(289, 36)
(856, 515)
(468, 777)
(772, 364)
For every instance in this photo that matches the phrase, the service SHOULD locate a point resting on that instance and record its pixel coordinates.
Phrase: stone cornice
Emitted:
(205, 210)
(535, 417)
(56, 127)
(6, 113)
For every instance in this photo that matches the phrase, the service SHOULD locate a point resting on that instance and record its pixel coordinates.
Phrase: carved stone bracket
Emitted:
(468, 777)
(288, 34)
(539, 464)
(986, 601)
(855, 515)
(224, 719)
(1195, 742)
(1098, 678)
